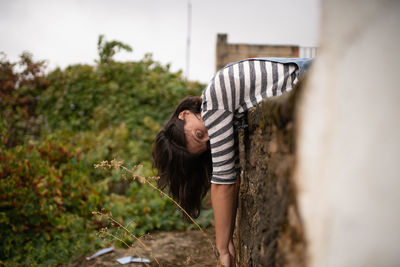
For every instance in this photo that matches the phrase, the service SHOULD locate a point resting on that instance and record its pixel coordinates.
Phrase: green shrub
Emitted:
(45, 202)
(19, 95)
(138, 95)
(54, 127)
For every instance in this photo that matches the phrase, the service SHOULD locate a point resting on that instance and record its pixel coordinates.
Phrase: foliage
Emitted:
(119, 97)
(143, 210)
(146, 199)
(19, 95)
(46, 201)
(44, 195)
(54, 127)
(107, 50)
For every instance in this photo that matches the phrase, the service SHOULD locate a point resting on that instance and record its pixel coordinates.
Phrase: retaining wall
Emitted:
(269, 231)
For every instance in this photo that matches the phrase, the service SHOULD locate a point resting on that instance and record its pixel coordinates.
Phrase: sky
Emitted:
(65, 32)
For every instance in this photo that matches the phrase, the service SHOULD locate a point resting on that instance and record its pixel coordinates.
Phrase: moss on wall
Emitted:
(268, 227)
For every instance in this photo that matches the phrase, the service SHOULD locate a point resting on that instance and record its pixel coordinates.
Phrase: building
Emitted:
(226, 52)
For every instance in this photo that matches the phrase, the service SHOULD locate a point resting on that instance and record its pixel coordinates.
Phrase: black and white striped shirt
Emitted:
(234, 89)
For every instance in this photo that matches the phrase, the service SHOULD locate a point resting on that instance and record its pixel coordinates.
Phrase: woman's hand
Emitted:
(225, 259)
(232, 252)
(227, 256)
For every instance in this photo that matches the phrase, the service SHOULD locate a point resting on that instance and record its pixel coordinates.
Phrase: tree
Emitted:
(107, 49)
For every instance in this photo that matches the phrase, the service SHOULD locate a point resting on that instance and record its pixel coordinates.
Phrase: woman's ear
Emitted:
(183, 114)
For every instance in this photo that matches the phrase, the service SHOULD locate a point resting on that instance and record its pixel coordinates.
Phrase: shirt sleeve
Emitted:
(219, 124)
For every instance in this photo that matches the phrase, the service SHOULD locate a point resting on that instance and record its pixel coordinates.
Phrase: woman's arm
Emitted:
(224, 199)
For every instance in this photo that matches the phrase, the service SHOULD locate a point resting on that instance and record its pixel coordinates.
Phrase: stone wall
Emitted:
(269, 231)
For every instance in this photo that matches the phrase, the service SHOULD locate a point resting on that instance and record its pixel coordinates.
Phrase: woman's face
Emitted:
(195, 132)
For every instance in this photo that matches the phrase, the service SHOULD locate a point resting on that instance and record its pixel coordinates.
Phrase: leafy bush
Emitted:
(139, 95)
(143, 210)
(45, 196)
(54, 127)
(19, 95)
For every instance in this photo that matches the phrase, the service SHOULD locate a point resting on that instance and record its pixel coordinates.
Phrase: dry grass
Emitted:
(131, 174)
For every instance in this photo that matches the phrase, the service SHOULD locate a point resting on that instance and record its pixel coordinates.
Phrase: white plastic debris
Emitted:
(129, 259)
(100, 252)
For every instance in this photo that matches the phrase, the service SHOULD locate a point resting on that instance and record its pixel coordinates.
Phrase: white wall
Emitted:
(348, 171)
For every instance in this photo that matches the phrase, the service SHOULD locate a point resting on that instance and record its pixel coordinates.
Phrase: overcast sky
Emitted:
(66, 31)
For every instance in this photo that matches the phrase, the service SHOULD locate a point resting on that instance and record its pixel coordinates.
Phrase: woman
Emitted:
(198, 144)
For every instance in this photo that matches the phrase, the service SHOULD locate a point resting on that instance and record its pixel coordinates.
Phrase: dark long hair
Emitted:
(187, 175)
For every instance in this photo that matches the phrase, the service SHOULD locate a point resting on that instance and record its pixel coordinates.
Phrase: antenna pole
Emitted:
(189, 26)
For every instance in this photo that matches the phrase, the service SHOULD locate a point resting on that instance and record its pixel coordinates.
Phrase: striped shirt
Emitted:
(234, 89)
